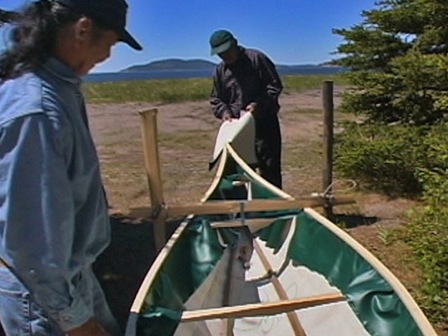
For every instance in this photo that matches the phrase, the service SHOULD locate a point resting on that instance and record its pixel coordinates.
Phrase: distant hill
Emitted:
(295, 66)
(174, 64)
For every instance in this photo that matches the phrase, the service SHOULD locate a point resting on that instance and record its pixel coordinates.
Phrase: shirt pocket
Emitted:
(9, 284)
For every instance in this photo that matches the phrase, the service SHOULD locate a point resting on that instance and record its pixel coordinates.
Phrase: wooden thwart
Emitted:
(232, 207)
(260, 309)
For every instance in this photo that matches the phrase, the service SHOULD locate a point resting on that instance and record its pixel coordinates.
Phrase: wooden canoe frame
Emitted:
(160, 212)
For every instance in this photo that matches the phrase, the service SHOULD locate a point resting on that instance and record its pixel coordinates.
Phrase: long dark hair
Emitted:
(33, 34)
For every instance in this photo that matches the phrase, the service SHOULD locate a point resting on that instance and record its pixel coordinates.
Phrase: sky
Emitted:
(288, 31)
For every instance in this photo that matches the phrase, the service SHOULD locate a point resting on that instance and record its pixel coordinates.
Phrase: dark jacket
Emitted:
(253, 78)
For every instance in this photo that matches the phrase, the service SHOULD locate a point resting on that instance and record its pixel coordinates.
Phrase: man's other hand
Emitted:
(251, 108)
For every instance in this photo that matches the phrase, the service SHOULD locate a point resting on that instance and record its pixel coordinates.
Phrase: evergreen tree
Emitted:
(7, 16)
(399, 61)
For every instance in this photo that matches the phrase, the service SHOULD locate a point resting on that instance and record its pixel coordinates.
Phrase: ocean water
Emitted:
(170, 74)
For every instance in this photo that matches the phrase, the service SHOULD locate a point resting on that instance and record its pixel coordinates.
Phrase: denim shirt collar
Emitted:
(61, 71)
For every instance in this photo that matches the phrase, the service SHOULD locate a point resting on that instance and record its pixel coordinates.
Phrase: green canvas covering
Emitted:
(372, 299)
(198, 250)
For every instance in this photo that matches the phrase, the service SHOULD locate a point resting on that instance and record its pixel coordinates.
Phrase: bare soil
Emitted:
(186, 139)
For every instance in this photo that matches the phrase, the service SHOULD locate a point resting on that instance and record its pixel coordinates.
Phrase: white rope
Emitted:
(328, 191)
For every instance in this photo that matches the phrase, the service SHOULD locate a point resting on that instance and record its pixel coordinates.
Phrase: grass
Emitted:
(193, 140)
(166, 91)
(181, 90)
(302, 83)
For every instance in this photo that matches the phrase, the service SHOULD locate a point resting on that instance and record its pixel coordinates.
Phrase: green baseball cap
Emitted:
(221, 41)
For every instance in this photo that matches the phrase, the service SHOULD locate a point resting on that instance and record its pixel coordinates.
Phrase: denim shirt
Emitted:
(53, 211)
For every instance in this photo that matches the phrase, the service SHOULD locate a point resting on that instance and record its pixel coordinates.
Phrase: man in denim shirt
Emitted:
(53, 211)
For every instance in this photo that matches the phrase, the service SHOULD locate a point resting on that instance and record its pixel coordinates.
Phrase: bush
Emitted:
(405, 160)
(427, 234)
(382, 158)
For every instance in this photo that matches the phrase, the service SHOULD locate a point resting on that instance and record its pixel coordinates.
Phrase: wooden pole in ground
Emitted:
(152, 165)
(327, 174)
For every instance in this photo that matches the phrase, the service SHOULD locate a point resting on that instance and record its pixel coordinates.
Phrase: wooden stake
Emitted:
(152, 165)
(327, 173)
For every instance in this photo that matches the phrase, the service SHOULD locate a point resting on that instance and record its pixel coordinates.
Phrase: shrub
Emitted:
(427, 234)
(382, 158)
(403, 160)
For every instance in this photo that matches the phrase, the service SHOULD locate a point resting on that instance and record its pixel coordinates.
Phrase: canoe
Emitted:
(267, 267)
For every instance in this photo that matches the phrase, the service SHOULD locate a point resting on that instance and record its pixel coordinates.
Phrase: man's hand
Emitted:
(226, 116)
(90, 328)
(251, 108)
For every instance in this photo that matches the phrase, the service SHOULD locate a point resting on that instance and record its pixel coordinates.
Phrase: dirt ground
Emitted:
(186, 133)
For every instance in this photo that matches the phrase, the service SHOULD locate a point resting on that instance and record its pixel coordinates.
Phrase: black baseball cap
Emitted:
(109, 13)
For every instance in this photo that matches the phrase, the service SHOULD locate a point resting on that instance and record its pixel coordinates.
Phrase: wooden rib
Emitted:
(292, 316)
(152, 165)
(415, 311)
(232, 207)
(230, 322)
(259, 309)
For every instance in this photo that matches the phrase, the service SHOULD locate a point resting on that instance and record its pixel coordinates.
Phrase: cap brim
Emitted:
(221, 48)
(132, 42)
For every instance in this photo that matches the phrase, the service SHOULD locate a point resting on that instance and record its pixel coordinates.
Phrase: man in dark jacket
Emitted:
(246, 81)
